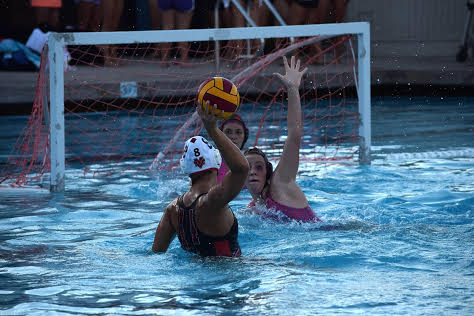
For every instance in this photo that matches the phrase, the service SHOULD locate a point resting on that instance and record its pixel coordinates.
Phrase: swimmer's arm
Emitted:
(289, 160)
(234, 180)
(165, 232)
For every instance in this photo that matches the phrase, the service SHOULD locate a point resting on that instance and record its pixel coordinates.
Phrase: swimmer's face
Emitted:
(235, 132)
(257, 173)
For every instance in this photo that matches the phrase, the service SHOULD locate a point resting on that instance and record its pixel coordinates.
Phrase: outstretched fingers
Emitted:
(285, 63)
(207, 113)
(280, 76)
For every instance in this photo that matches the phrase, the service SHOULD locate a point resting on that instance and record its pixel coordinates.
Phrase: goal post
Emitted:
(56, 121)
(332, 123)
(363, 81)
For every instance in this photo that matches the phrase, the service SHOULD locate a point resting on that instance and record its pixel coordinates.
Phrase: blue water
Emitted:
(397, 236)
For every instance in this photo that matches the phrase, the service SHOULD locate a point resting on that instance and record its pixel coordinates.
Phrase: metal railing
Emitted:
(250, 22)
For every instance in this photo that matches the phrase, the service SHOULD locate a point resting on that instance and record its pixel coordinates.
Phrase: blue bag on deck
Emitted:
(16, 56)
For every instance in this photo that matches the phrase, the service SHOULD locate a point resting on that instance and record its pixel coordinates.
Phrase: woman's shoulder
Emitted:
(291, 197)
(173, 205)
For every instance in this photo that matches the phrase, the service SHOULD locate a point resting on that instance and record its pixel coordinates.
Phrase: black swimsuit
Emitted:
(195, 241)
(308, 3)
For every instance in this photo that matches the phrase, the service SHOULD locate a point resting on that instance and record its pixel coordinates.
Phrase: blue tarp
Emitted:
(15, 52)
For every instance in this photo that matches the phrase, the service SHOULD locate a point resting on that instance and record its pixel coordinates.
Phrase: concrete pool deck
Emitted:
(17, 88)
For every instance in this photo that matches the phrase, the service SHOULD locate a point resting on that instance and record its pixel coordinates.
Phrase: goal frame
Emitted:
(56, 58)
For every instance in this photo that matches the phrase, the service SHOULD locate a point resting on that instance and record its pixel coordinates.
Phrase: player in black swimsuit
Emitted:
(201, 217)
(193, 240)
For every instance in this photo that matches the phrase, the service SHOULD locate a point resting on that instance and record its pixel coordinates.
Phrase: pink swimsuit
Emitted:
(305, 214)
(221, 172)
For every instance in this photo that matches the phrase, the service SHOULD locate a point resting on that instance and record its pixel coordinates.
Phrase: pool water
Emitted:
(397, 236)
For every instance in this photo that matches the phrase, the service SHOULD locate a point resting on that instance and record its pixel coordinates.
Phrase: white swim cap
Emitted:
(199, 155)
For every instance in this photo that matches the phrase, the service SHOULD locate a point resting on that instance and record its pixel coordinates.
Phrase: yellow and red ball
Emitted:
(221, 92)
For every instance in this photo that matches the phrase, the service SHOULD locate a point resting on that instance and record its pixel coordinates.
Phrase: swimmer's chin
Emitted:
(253, 186)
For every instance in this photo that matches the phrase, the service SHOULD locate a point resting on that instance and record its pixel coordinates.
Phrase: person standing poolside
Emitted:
(112, 11)
(231, 17)
(277, 190)
(308, 12)
(88, 15)
(201, 217)
(48, 13)
(234, 128)
(176, 15)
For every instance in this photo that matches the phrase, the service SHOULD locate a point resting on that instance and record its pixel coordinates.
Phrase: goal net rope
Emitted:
(132, 106)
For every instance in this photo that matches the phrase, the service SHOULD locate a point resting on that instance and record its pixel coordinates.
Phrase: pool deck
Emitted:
(17, 88)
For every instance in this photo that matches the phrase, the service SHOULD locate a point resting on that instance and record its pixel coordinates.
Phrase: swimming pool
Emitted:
(397, 236)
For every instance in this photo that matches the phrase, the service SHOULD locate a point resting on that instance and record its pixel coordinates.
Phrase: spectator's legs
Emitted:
(111, 13)
(283, 7)
(41, 15)
(88, 16)
(324, 10)
(335, 12)
(95, 20)
(305, 15)
(168, 19)
(297, 14)
(155, 14)
(49, 16)
(236, 47)
(183, 21)
(238, 21)
(82, 16)
(260, 15)
(318, 16)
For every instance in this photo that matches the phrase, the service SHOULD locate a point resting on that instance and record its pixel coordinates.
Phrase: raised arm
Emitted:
(233, 181)
(289, 160)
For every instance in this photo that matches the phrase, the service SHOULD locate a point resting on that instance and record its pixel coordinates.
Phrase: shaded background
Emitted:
(399, 27)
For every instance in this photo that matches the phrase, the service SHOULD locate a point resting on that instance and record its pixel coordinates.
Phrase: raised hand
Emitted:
(292, 77)
(208, 115)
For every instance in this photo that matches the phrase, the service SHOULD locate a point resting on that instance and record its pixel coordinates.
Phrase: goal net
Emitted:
(123, 101)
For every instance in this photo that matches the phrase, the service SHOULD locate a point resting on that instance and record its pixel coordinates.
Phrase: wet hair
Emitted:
(268, 164)
(236, 118)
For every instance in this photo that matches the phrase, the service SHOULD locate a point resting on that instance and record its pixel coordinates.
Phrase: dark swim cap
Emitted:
(236, 118)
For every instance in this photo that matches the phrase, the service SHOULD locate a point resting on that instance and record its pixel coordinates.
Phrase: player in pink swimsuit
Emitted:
(276, 210)
(277, 189)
